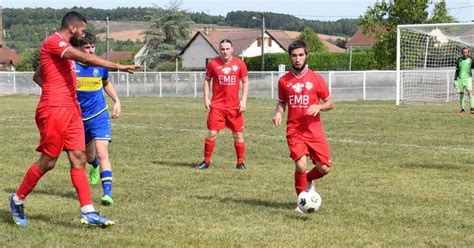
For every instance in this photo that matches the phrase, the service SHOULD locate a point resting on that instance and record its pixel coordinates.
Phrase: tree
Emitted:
(440, 13)
(382, 19)
(30, 60)
(167, 36)
(312, 40)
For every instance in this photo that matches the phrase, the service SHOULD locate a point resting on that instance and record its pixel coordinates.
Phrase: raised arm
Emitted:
(92, 59)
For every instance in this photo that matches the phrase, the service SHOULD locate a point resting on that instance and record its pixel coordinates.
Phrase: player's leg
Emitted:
(461, 89)
(468, 84)
(235, 122)
(93, 161)
(321, 156)
(215, 122)
(51, 123)
(79, 179)
(102, 147)
(31, 178)
(74, 144)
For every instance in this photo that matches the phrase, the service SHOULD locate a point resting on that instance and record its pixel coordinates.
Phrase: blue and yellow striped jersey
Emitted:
(90, 81)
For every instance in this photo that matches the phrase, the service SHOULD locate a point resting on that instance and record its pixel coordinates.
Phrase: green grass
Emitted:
(402, 176)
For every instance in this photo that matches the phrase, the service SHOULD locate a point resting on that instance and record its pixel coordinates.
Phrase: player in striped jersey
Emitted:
(91, 82)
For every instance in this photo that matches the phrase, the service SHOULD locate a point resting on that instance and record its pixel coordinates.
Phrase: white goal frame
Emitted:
(460, 39)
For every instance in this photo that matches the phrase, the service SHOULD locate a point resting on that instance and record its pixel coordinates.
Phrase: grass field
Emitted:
(402, 176)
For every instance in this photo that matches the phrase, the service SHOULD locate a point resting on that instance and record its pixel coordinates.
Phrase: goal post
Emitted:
(426, 56)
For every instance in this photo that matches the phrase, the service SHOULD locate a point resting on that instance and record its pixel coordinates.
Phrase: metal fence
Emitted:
(343, 85)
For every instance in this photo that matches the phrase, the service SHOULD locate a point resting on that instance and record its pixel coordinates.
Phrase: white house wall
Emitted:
(196, 54)
(255, 50)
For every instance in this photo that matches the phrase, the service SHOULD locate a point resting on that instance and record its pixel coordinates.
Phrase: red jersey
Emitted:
(300, 92)
(226, 78)
(58, 74)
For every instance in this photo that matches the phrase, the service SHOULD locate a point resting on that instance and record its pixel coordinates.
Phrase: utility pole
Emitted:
(107, 38)
(262, 62)
(263, 43)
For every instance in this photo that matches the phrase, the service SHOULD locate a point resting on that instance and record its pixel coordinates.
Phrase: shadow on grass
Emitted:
(436, 166)
(174, 163)
(52, 191)
(7, 218)
(262, 203)
(251, 202)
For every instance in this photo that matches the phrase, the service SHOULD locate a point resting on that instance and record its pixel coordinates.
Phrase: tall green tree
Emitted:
(312, 40)
(168, 35)
(382, 19)
(440, 13)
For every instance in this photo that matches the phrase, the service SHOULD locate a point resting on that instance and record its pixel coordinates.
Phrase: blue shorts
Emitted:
(98, 128)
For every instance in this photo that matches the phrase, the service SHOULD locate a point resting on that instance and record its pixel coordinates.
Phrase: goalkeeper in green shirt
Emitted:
(463, 78)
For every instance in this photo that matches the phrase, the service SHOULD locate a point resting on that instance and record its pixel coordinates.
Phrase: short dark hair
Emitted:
(297, 44)
(71, 18)
(226, 41)
(89, 38)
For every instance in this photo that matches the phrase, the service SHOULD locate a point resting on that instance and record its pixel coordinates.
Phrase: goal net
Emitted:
(426, 56)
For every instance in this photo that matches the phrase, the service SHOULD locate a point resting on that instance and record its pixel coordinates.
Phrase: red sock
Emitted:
(208, 149)
(32, 176)
(80, 182)
(313, 174)
(300, 182)
(239, 151)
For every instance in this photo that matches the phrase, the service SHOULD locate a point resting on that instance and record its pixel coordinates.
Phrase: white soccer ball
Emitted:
(309, 201)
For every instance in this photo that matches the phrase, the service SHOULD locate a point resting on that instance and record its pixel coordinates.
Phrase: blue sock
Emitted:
(106, 179)
(95, 163)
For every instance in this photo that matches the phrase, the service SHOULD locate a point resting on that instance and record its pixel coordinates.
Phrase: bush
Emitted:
(362, 59)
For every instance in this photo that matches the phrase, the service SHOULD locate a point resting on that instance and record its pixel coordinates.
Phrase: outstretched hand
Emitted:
(128, 68)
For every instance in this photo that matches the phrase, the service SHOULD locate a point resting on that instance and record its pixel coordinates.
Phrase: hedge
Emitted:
(322, 61)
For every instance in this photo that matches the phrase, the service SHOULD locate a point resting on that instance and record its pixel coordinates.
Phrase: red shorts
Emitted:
(60, 128)
(218, 119)
(318, 150)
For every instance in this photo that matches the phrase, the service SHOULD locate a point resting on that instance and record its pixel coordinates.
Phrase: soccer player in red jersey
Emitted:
(225, 109)
(59, 120)
(306, 94)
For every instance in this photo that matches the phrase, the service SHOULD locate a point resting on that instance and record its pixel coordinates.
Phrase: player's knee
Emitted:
(324, 169)
(238, 137)
(212, 135)
(102, 155)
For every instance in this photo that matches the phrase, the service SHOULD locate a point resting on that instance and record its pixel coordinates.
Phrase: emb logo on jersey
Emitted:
(298, 87)
(62, 44)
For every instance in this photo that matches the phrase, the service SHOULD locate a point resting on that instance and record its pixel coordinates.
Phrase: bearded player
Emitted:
(306, 95)
(58, 117)
(463, 78)
(225, 109)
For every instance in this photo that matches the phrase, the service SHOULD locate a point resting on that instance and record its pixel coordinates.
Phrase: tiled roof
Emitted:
(243, 38)
(7, 53)
(116, 56)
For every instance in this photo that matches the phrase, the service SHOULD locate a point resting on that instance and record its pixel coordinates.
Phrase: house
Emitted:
(8, 58)
(119, 56)
(204, 45)
(361, 40)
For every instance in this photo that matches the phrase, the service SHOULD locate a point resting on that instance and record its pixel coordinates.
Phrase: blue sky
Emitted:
(463, 10)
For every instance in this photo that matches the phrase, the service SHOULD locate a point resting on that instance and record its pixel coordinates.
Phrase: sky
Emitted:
(328, 10)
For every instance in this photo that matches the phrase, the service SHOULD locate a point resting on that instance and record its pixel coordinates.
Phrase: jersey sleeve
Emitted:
(106, 74)
(281, 92)
(57, 46)
(209, 71)
(243, 70)
(322, 89)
